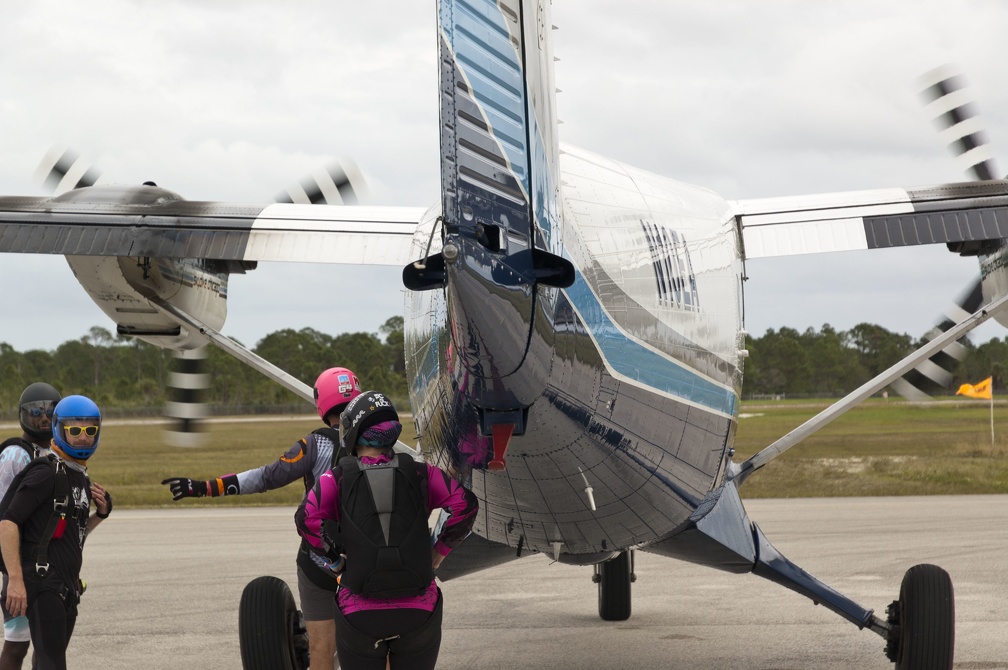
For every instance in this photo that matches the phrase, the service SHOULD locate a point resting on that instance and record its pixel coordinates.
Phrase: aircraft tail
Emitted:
(500, 263)
(498, 119)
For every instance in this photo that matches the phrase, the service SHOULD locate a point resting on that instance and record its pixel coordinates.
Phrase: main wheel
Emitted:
(925, 617)
(271, 630)
(614, 578)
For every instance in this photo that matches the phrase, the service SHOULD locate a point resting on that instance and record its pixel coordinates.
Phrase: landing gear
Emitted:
(922, 622)
(271, 630)
(614, 578)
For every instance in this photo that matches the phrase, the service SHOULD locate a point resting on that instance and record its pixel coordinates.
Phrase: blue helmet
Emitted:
(70, 408)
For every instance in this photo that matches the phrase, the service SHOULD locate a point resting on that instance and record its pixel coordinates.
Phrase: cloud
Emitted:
(234, 103)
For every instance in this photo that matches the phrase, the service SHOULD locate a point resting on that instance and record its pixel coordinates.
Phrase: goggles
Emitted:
(37, 408)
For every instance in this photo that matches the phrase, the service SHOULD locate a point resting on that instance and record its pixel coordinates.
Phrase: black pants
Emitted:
(371, 625)
(51, 621)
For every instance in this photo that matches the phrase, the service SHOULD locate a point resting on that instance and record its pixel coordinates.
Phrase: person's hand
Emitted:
(436, 558)
(183, 487)
(333, 566)
(102, 500)
(17, 597)
(336, 567)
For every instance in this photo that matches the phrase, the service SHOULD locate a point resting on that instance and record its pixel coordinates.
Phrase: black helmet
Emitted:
(364, 411)
(36, 407)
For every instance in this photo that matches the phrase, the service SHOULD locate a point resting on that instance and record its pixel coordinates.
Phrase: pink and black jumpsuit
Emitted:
(380, 619)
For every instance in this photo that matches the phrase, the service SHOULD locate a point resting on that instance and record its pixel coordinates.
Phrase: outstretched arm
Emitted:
(292, 465)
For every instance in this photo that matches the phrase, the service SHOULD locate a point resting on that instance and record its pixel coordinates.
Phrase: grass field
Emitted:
(880, 448)
(132, 460)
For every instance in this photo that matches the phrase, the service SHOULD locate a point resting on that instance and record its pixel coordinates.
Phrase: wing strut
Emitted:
(244, 355)
(258, 363)
(741, 472)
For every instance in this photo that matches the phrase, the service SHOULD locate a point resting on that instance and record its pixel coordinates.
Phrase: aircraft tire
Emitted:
(614, 588)
(271, 630)
(925, 614)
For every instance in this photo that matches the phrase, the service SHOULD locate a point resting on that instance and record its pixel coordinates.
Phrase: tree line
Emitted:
(832, 363)
(126, 375)
(129, 376)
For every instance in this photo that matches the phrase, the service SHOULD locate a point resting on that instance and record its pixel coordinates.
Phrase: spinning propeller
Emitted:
(338, 183)
(949, 102)
(63, 169)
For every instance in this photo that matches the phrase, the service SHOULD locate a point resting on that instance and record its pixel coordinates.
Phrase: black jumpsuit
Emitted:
(52, 598)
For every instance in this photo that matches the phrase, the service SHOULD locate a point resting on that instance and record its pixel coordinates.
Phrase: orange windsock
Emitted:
(980, 390)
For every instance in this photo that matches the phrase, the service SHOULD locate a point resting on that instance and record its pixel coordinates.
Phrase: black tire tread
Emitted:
(263, 622)
(614, 588)
(927, 619)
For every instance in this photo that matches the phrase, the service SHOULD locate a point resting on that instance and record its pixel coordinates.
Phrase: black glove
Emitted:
(183, 487)
(108, 509)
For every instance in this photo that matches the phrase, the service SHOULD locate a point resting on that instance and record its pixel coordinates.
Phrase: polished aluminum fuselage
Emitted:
(642, 377)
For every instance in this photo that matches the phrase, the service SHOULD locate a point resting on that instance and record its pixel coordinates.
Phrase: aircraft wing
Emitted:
(965, 216)
(77, 224)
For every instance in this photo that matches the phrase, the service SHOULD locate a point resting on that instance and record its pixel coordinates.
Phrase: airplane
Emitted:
(575, 334)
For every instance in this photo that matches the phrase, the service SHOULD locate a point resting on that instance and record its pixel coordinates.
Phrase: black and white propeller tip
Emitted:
(62, 169)
(337, 183)
(950, 104)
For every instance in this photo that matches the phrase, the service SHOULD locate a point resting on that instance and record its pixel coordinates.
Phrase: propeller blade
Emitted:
(950, 103)
(186, 406)
(938, 369)
(339, 183)
(63, 169)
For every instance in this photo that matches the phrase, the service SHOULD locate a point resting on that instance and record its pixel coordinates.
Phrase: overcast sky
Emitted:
(234, 101)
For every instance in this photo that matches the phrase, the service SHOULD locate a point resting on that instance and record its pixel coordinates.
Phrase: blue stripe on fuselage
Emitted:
(633, 360)
(480, 40)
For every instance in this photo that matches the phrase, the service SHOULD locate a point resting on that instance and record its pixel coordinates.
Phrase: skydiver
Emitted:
(42, 544)
(35, 410)
(308, 459)
(388, 605)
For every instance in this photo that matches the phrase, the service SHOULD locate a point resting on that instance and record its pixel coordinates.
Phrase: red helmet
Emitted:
(334, 388)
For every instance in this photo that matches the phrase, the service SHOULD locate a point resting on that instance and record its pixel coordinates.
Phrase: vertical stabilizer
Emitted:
(499, 182)
(498, 114)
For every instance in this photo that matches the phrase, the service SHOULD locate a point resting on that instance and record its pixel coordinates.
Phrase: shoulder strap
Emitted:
(350, 466)
(20, 442)
(61, 501)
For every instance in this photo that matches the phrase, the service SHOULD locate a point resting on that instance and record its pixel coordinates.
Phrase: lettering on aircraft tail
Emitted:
(674, 276)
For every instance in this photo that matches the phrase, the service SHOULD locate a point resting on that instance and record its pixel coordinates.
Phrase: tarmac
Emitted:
(164, 587)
